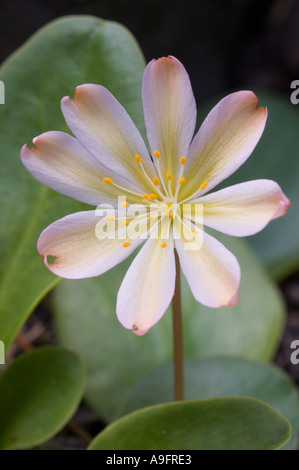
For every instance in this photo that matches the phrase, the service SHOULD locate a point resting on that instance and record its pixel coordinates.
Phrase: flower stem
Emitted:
(177, 336)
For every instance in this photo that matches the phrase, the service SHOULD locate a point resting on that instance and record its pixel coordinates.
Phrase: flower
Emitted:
(108, 158)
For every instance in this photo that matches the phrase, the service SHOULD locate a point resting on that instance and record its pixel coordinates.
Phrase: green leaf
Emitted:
(64, 54)
(39, 392)
(276, 158)
(218, 424)
(220, 377)
(115, 358)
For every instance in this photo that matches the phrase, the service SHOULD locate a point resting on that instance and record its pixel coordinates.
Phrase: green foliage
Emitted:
(219, 424)
(220, 377)
(39, 392)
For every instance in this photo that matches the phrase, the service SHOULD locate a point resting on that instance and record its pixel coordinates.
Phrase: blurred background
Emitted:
(223, 44)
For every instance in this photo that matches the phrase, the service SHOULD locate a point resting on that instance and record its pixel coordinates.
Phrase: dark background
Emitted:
(224, 44)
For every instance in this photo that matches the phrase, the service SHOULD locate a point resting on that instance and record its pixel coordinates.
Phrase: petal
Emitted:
(104, 127)
(212, 272)
(244, 209)
(148, 287)
(60, 162)
(169, 111)
(74, 242)
(224, 141)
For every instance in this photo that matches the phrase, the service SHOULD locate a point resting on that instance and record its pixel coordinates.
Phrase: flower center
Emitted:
(162, 188)
(161, 201)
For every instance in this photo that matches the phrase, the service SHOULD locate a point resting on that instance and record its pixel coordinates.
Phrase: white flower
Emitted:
(108, 158)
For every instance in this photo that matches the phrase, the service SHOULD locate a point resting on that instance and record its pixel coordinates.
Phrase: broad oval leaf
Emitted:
(115, 358)
(62, 55)
(219, 377)
(39, 392)
(218, 424)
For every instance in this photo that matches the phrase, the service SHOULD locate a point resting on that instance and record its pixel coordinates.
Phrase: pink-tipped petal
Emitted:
(79, 253)
(148, 287)
(212, 271)
(283, 207)
(244, 209)
(169, 111)
(104, 127)
(224, 141)
(234, 299)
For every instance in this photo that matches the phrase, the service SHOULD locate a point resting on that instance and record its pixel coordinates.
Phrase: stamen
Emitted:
(145, 196)
(194, 230)
(126, 244)
(163, 245)
(168, 176)
(152, 197)
(201, 188)
(155, 181)
(109, 217)
(168, 212)
(183, 223)
(183, 160)
(108, 180)
(126, 223)
(124, 204)
(156, 163)
(181, 179)
(138, 159)
(169, 188)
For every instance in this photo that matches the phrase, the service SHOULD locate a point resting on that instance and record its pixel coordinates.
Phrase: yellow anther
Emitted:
(150, 217)
(138, 158)
(169, 176)
(152, 197)
(164, 245)
(157, 154)
(170, 214)
(126, 223)
(182, 180)
(145, 196)
(108, 180)
(126, 244)
(123, 204)
(156, 181)
(183, 160)
(203, 185)
(109, 217)
(194, 230)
